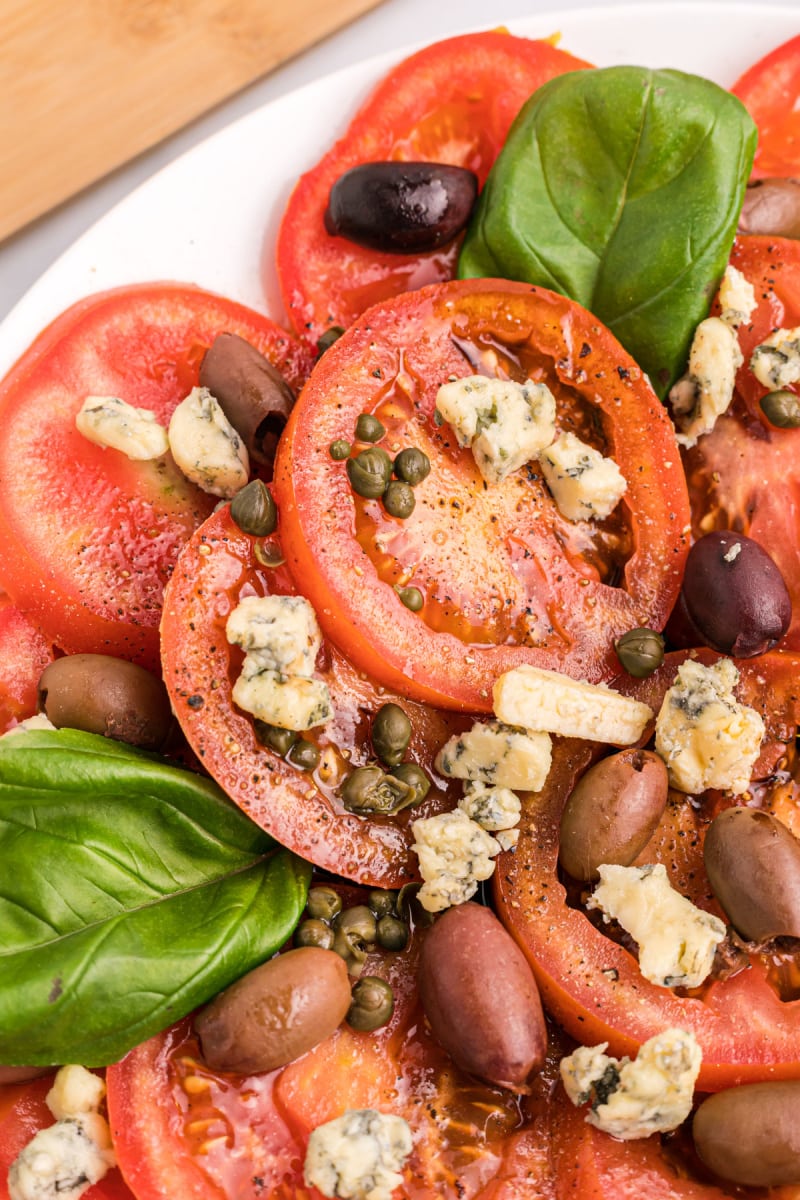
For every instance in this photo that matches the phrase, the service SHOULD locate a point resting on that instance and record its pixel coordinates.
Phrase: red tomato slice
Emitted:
(594, 987)
(770, 91)
(506, 579)
(87, 537)
(24, 654)
(452, 102)
(301, 810)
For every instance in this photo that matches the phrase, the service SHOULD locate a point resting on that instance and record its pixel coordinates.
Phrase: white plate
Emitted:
(210, 216)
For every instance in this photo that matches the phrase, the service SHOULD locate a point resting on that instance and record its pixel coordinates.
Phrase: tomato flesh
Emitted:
(24, 654)
(770, 91)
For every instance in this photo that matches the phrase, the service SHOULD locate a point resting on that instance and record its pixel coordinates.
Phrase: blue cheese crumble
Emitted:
(358, 1156)
(547, 700)
(455, 855)
(114, 424)
(497, 754)
(585, 485)
(706, 390)
(776, 362)
(206, 447)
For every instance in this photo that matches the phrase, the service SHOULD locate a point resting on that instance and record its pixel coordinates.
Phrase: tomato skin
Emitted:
(770, 90)
(24, 654)
(544, 600)
(452, 102)
(87, 537)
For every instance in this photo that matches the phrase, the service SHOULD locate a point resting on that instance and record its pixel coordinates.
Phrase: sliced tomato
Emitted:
(88, 538)
(505, 578)
(24, 654)
(593, 985)
(770, 91)
(452, 102)
(745, 474)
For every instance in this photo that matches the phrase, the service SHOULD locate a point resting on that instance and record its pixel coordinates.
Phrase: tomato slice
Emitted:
(452, 102)
(746, 1031)
(770, 91)
(506, 579)
(87, 537)
(24, 654)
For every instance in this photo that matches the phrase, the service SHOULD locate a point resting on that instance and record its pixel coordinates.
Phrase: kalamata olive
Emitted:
(369, 472)
(314, 933)
(324, 903)
(275, 1013)
(481, 999)
(390, 733)
(22, 1074)
(750, 1135)
(771, 206)
(641, 651)
(399, 207)
(254, 510)
(735, 595)
(753, 865)
(252, 393)
(106, 695)
(612, 812)
(373, 1004)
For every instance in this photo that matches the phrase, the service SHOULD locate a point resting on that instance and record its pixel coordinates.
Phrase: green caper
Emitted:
(409, 907)
(304, 755)
(412, 597)
(393, 933)
(641, 651)
(370, 790)
(391, 733)
(359, 920)
(369, 428)
(782, 409)
(415, 777)
(326, 340)
(269, 554)
(323, 903)
(314, 933)
(372, 1006)
(399, 500)
(275, 738)
(381, 902)
(254, 511)
(339, 450)
(412, 466)
(369, 472)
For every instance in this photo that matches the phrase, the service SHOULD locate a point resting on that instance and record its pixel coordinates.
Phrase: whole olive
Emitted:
(392, 933)
(753, 865)
(369, 472)
(415, 777)
(314, 933)
(323, 903)
(412, 465)
(106, 695)
(372, 1005)
(274, 737)
(399, 500)
(612, 812)
(391, 733)
(641, 651)
(771, 206)
(254, 510)
(750, 1134)
(782, 409)
(735, 595)
(369, 428)
(401, 206)
(275, 1013)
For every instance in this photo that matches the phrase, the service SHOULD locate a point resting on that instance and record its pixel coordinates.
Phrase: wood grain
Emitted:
(88, 84)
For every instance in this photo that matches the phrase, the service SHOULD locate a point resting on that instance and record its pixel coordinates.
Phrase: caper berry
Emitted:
(412, 597)
(275, 738)
(641, 651)
(412, 466)
(323, 903)
(339, 450)
(369, 428)
(372, 1006)
(381, 902)
(304, 755)
(392, 933)
(399, 500)
(782, 409)
(391, 733)
(415, 777)
(369, 790)
(254, 511)
(326, 340)
(314, 933)
(369, 472)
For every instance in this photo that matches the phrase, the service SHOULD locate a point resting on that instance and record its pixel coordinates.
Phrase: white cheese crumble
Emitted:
(358, 1156)
(546, 700)
(704, 735)
(75, 1091)
(455, 854)
(737, 298)
(114, 424)
(677, 941)
(493, 808)
(206, 447)
(505, 423)
(497, 754)
(288, 701)
(652, 1094)
(776, 362)
(585, 485)
(40, 721)
(706, 390)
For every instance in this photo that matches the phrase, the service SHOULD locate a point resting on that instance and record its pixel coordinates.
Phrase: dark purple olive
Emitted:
(750, 1134)
(401, 207)
(771, 206)
(753, 865)
(735, 596)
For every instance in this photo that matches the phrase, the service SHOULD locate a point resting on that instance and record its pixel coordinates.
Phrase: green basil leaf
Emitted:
(620, 188)
(131, 892)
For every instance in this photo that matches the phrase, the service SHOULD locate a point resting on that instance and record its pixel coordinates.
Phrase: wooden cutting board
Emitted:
(88, 84)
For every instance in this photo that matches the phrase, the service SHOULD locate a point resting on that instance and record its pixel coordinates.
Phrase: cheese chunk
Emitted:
(546, 700)
(497, 754)
(776, 362)
(116, 425)
(75, 1091)
(289, 701)
(705, 392)
(358, 1156)
(62, 1161)
(704, 735)
(585, 485)
(493, 808)
(30, 725)
(652, 1094)
(505, 423)
(206, 447)
(737, 298)
(455, 854)
(677, 941)
(280, 633)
